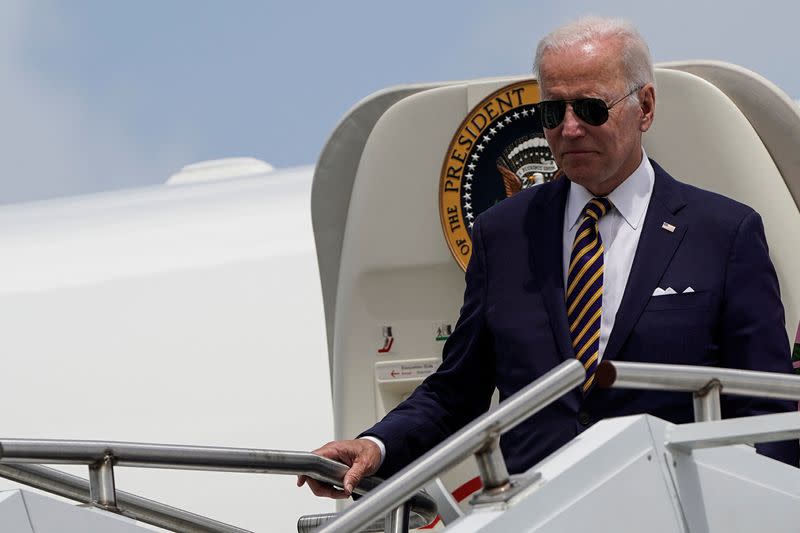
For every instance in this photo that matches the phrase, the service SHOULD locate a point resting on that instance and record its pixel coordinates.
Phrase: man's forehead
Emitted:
(599, 52)
(586, 65)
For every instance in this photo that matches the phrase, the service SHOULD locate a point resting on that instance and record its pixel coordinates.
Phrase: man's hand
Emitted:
(362, 456)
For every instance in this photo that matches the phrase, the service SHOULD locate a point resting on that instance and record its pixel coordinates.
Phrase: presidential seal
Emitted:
(498, 150)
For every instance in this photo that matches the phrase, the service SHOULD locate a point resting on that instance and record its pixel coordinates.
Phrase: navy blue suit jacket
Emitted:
(513, 324)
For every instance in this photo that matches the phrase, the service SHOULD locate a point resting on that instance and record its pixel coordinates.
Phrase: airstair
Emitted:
(626, 474)
(629, 474)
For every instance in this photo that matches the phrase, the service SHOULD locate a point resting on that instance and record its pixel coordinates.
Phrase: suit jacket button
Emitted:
(584, 418)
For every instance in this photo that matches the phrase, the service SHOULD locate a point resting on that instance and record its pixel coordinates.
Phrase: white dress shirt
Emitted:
(620, 230)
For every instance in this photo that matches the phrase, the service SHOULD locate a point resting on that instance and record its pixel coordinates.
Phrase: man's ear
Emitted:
(647, 103)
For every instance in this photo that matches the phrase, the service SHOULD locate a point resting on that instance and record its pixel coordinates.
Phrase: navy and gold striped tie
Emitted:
(585, 288)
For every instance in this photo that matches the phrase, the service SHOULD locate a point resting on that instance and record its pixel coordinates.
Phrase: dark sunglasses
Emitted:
(592, 111)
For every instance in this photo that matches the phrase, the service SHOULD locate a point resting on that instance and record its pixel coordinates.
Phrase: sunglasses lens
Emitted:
(593, 111)
(552, 112)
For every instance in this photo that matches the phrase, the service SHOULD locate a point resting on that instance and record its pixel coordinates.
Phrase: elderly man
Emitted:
(577, 268)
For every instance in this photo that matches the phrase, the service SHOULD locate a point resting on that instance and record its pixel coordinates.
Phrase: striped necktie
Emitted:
(585, 288)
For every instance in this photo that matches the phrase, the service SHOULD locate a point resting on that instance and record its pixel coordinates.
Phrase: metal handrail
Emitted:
(704, 382)
(469, 440)
(135, 507)
(655, 376)
(101, 457)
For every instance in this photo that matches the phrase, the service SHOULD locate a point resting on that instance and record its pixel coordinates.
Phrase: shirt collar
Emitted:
(630, 198)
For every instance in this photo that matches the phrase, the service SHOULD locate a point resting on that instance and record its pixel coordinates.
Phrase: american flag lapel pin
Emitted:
(667, 226)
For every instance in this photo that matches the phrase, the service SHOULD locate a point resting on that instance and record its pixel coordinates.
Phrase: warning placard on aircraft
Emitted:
(416, 369)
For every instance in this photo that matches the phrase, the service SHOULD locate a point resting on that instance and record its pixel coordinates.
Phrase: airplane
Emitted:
(244, 306)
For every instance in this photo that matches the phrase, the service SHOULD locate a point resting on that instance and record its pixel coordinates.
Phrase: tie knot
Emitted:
(597, 207)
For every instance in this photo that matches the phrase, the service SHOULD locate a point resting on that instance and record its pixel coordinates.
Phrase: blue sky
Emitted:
(101, 95)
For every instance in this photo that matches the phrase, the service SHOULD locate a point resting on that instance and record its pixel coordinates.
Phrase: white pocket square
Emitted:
(669, 290)
(663, 292)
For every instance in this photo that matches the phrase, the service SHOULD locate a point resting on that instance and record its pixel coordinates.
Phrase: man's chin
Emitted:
(585, 177)
(579, 174)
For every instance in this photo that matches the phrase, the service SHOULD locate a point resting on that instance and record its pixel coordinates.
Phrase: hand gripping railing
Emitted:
(102, 457)
(479, 437)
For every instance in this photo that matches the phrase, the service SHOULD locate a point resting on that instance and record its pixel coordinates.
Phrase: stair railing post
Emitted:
(492, 465)
(707, 402)
(102, 491)
(398, 520)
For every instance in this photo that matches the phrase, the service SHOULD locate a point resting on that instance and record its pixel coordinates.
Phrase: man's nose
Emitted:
(572, 125)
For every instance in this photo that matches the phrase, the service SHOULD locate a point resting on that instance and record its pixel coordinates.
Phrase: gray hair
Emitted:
(636, 58)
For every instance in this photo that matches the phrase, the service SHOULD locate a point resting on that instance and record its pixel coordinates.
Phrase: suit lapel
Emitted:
(656, 247)
(546, 227)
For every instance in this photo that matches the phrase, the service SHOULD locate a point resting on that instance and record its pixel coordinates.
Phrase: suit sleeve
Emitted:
(753, 335)
(457, 392)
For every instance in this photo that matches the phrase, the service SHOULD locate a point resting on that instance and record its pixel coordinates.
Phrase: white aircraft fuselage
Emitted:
(187, 313)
